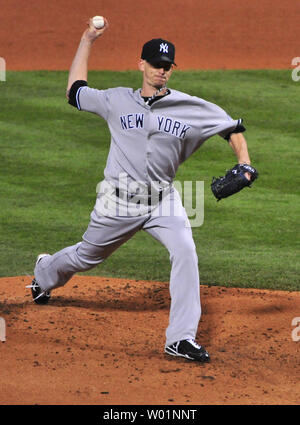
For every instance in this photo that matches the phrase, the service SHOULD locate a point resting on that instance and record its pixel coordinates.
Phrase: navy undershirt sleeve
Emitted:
(73, 91)
(238, 129)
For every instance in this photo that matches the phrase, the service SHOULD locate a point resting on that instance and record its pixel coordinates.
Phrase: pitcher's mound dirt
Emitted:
(100, 341)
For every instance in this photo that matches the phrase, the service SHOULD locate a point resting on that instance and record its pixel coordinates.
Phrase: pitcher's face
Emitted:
(156, 75)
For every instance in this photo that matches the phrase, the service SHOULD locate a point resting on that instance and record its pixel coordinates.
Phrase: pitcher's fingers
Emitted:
(90, 23)
(106, 23)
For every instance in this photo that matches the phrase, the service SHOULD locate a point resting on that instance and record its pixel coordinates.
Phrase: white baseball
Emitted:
(98, 22)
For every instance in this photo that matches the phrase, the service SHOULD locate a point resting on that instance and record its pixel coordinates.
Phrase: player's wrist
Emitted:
(90, 36)
(86, 39)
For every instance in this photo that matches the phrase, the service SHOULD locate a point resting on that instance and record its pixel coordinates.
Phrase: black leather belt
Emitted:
(156, 196)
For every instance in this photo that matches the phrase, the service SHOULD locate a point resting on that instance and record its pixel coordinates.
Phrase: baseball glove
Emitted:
(233, 181)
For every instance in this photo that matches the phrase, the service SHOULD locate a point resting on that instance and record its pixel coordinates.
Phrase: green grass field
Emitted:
(53, 156)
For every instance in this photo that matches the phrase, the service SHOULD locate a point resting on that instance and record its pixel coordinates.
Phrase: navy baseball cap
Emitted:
(158, 50)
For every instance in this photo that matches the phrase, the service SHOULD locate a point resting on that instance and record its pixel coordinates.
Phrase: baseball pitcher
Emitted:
(153, 130)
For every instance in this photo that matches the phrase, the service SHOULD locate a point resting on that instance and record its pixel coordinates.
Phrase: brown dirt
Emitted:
(208, 35)
(100, 341)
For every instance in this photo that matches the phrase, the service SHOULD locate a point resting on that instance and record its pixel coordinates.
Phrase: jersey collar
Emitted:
(139, 99)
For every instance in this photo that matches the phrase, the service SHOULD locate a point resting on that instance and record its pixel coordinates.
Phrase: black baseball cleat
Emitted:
(189, 349)
(39, 296)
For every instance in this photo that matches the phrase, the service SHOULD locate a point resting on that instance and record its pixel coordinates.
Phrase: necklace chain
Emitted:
(155, 94)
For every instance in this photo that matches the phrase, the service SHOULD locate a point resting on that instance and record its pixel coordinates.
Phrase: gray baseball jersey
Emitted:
(150, 142)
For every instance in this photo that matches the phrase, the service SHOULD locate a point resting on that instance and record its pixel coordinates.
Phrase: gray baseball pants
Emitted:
(107, 233)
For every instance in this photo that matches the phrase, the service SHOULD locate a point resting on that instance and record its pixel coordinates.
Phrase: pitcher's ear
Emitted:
(141, 65)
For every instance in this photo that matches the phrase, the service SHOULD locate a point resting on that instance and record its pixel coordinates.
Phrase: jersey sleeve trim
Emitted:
(77, 98)
(238, 129)
(74, 93)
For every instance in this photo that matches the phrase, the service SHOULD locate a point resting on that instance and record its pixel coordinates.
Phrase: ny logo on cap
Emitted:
(164, 47)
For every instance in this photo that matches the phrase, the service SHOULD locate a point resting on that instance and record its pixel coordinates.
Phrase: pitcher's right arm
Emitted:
(79, 67)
